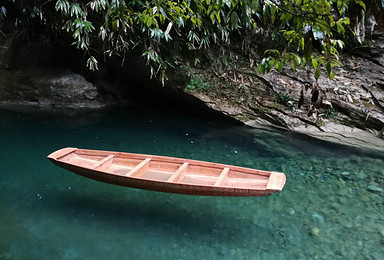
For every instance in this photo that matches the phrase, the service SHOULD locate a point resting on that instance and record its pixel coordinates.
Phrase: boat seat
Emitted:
(179, 174)
(139, 169)
(104, 163)
(221, 181)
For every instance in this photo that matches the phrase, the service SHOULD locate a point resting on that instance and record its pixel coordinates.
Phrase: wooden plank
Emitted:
(139, 169)
(106, 161)
(179, 174)
(222, 178)
(276, 181)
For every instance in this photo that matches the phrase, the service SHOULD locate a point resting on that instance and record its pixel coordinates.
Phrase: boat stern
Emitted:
(276, 181)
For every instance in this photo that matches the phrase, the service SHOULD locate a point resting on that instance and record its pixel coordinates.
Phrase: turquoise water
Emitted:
(332, 206)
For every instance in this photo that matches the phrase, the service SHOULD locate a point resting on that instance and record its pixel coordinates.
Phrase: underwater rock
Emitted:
(376, 256)
(375, 188)
(345, 223)
(345, 191)
(318, 216)
(377, 198)
(364, 198)
(314, 231)
(335, 206)
(360, 175)
(380, 228)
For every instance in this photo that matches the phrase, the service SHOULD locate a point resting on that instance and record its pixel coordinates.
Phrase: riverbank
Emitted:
(347, 110)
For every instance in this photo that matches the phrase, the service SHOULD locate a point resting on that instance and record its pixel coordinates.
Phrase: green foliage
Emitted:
(306, 33)
(196, 83)
(330, 113)
(285, 99)
(309, 23)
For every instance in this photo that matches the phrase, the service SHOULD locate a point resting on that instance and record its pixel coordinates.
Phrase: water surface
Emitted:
(331, 207)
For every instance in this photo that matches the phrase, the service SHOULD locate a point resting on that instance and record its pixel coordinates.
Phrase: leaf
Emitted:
(169, 27)
(76, 11)
(3, 11)
(308, 47)
(228, 3)
(328, 67)
(92, 63)
(272, 52)
(296, 60)
(234, 20)
(154, 10)
(167, 37)
(279, 66)
(315, 64)
(317, 33)
(149, 21)
(340, 28)
(265, 65)
(317, 73)
(76, 34)
(115, 24)
(180, 22)
(361, 3)
(340, 43)
(62, 5)
(218, 18)
(273, 13)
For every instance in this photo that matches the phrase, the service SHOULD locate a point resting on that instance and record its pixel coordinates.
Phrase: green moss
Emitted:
(368, 104)
(242, 118)
(320, 122)
(272, 105)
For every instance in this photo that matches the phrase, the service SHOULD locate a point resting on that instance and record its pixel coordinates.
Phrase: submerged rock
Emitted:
(360, 175)
(380, 229)
(318, 216)
(314, 231)
(291, 211)
(375, 188)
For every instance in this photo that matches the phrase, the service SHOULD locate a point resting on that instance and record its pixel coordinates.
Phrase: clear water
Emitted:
(332, 206)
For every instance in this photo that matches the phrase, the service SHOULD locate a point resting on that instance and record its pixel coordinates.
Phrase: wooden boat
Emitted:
(168, 174)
